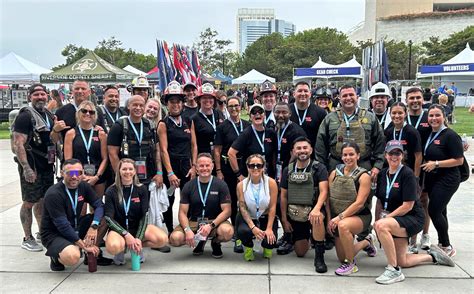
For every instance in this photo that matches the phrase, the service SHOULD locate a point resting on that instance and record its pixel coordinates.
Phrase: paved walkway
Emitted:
(180, 272)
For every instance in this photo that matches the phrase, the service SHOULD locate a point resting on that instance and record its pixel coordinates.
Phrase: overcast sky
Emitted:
(38, 30)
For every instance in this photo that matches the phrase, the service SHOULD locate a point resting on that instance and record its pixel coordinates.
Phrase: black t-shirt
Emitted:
(446, 146)
(248, 144)
(67, 113)
(189, 112)
(57, 204)
(79, 149)
(139, 205)
(218, 194)
(205, 133)
(411, 142)
(179, 137)
(423, 127)
(404, 189)
(312, 120)
(292, 132)
(269, 123)
(107, 120)
(226, 134)
(320, 174)
(24, 125)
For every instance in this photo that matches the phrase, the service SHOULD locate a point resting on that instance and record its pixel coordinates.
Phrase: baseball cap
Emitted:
(392, 145)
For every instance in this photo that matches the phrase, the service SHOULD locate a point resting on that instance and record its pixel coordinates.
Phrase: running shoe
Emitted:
(38, 237)
(238, 248)
(425, 242)
(119, 259)
(347, 268)
(199, 249)
(440, 257)
(449, 250)
(412, 249)
(371, 249)
(267, 253)
(55, 265)
(164, 249)
(216, 250)
(390, 276)
(30, 244)
(285, 248)
(248, 254)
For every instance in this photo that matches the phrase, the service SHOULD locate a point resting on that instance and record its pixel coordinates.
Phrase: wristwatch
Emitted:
(124, 233)
(213, 225)
(95, 226)
(187, 229)
(437, 164)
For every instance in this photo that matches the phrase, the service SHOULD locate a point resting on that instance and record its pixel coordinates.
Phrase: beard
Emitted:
(39, 105)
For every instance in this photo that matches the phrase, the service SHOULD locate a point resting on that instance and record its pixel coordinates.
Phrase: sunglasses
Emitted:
(74, 173)
(85, 111)
(255, 166)
(233, 106)
(259, 111)
(395, 153)
(220, 102)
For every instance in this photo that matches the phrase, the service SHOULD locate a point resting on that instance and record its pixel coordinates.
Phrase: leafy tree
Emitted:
(110, 49)
(72, 54)
(436, 51)
(214, 53)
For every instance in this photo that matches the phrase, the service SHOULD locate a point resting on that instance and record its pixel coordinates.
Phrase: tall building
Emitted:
(404, 20)
(253, 23)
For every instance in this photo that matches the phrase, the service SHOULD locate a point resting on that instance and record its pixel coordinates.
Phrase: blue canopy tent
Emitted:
(321, 69)
(222, 77)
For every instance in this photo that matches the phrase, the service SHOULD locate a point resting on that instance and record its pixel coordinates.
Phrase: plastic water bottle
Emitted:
(464, 140)
(257, 245)
(135, 260)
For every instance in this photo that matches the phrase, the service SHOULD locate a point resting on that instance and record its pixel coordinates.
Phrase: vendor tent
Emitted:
(222, 77)
(91, 68)
(252, 77)
(321, 69)
(134, 70)
(16, 69)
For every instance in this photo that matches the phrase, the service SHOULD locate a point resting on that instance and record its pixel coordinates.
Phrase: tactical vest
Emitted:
(129, 141)
(105, 116)
(343, 190)
(353, 133)
(301, 188)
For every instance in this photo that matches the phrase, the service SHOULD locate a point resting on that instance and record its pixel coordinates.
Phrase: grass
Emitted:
(4, 134)
(464, 121)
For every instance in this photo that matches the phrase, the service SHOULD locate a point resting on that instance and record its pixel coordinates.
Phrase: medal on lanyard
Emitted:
(204, 198)
(256, 197)
(418, 121)
(301, 120)
(126, 206)
(235, 127)
(89, 169)
(389, 186)
(261, 141)
(73, 204)
(430, 140)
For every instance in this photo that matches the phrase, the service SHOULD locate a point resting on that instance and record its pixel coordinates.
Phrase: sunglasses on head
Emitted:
(91, 112)
(395, 153)
(255, 166)
(255, 111)
(74, 173)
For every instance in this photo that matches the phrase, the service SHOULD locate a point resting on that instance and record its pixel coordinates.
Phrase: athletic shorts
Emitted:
(34, 192)
(194, 227)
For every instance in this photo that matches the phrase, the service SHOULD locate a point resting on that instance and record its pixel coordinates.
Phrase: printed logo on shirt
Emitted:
(437, 142)
(96, 139)
(136, 200)
(80, 198)
(404, 142)
(425, 125)
(187, 131)
(268, 140)
(396, 185)
(283, 140)
(214, 192)
(308, 119)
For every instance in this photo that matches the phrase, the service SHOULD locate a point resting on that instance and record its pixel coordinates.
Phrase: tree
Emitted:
(436, 51)
(214, 53)
(72, 54)
(109, 49)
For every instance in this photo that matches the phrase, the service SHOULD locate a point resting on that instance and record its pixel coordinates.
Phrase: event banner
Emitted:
(332, 71)
(446, 68)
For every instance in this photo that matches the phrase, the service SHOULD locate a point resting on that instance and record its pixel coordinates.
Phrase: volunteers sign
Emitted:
(448, 68)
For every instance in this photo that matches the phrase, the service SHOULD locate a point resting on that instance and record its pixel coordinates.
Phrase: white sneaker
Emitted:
(449, 250)
(30, 244)
(412, 249)
(390, 276)
(425, 242)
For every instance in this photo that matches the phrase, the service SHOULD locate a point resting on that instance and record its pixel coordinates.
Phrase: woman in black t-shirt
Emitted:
(126, 213)
(401, 216)
(89, 145)
(177, 145)
(443, 154)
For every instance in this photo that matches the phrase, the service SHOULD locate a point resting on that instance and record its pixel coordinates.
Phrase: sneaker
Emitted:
(248, 254)
(31, 245)
(412, 249)
(119, 259)
(371, 249)
(440, 257)
(267, 253)
(425, 242)
(281, 240)
(449, 250)
(199, 249)
(164, 249)
(142, 257)
(238, 248)
(55, 265)
(347, 268)
(285, 248)
(390, 276)
(216, 250)
(38, 237)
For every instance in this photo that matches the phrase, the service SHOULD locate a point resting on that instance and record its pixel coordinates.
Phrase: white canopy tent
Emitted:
(134, 70)
(252, 77)
(16, 69)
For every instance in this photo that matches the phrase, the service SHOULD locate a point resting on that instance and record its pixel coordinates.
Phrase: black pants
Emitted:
(180, 168)
(245, 234)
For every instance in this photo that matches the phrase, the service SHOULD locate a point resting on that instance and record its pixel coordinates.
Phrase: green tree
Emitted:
(110, 49)
(214, 53)
(72, 54)
(436, 51)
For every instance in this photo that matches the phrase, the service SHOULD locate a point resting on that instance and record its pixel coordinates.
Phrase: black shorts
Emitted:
(412, 224)
(301, 230)
(34, 192)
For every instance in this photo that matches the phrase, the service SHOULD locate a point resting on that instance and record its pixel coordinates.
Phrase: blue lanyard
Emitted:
(235, 127)
(306, 167)
(87, 144)
(73, 204)
(256, 197)
(341, 173)
(382, 120)
(204, 198)
(348, 120)
(139, 137)
(267, 119)
(126, 206)
(179, 120)
(418, 121)
(430, 140)
(280, 138)
(301, 120)
(390, 185)
(110, 115)
(399, 135)
(213, 123)
(261, 142)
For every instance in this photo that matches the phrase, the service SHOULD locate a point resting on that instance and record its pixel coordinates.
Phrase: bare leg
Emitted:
(155, 237)
(348, 227)
(26, 217)
(38, 211)
(301, 247)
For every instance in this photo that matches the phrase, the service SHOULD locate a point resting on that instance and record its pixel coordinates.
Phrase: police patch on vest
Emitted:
(299, 177)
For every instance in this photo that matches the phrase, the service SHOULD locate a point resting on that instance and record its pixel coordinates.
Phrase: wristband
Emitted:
(254, 226)
(170, 174)
(341, 216)
(160, 173)
(187, 229)
(237, 173)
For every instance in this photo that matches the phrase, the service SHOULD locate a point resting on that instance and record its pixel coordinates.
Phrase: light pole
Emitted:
(410, 43)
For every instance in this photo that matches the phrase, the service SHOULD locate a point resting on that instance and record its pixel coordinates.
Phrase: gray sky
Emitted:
(38, 30)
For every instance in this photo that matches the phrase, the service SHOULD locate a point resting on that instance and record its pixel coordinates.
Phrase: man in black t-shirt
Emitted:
(64, 232)
(108, 113)
(203, 211)
(35, 155)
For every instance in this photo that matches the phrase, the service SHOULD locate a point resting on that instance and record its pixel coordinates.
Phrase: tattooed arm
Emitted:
(242, 206)
(19, 141)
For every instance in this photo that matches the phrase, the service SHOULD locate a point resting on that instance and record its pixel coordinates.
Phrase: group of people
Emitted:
(312, 169)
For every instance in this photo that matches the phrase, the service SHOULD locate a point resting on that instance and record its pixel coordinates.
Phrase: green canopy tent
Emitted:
(90, 68)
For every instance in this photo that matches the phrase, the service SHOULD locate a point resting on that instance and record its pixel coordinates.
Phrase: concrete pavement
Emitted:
(180, 272)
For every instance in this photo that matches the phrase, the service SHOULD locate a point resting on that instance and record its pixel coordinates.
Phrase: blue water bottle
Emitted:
(135, 260)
